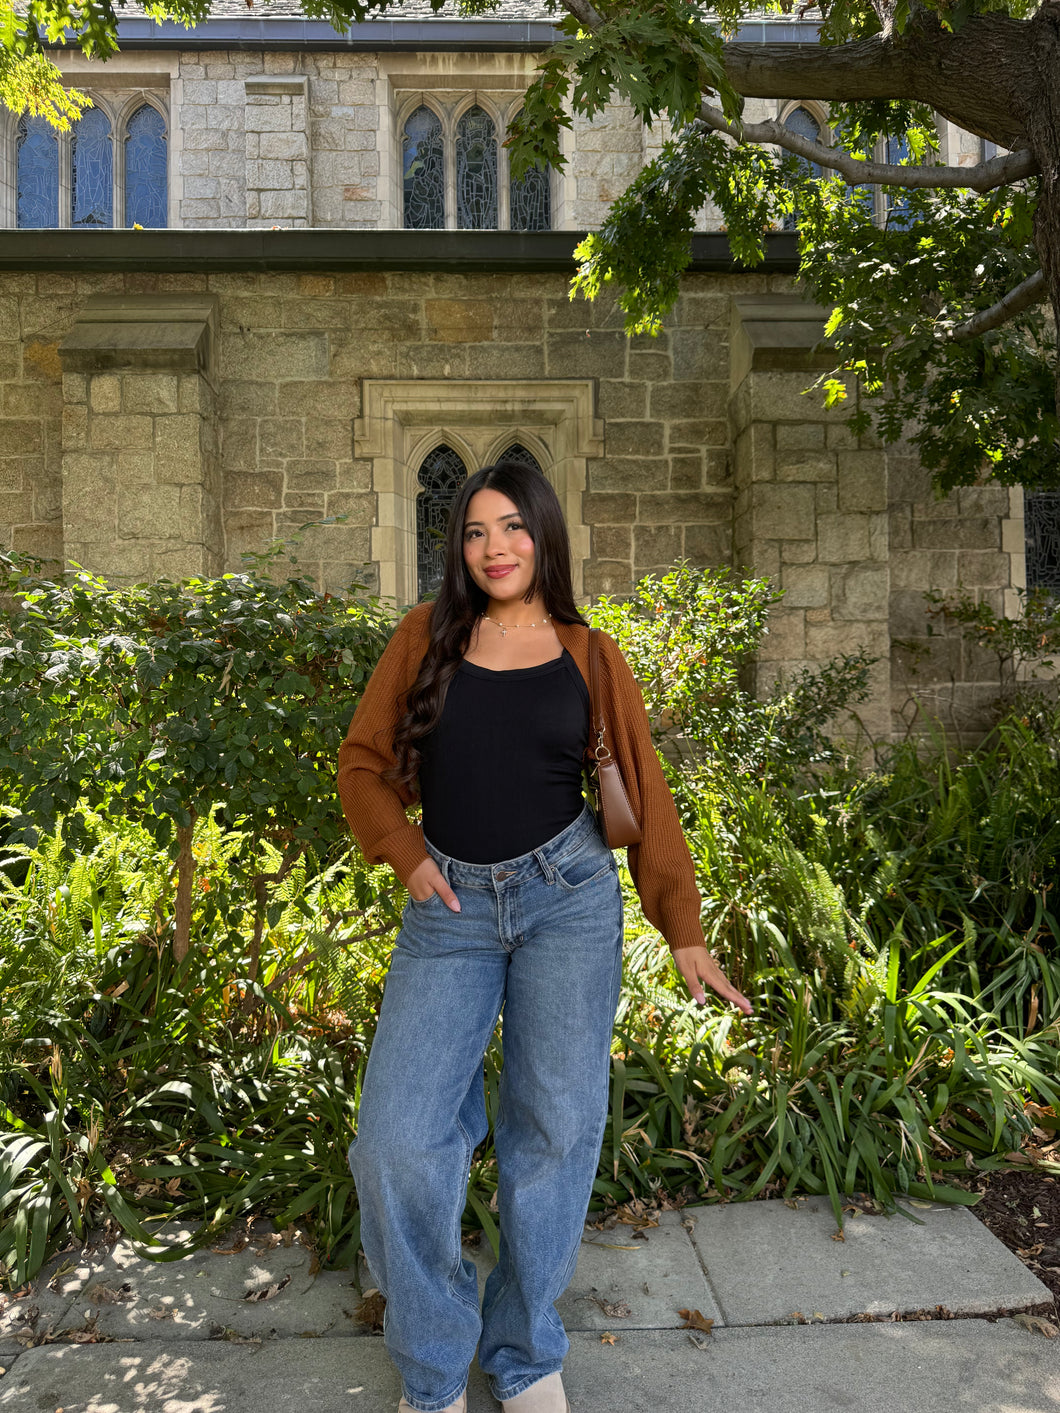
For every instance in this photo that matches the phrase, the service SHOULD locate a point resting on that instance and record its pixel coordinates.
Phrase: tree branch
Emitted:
(584, 13)
(998, 171)
(1031, 291)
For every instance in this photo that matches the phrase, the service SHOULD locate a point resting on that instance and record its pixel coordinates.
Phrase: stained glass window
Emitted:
(1041, 520)
(531, 201)
(898, 214)
(146, 182)
(423, 171)
(805, 125)
(38, 173)
(441, 476)
(518, 452)
(476, 171)
(92, 158)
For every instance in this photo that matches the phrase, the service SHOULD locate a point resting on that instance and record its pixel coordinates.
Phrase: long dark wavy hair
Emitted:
(460, 602)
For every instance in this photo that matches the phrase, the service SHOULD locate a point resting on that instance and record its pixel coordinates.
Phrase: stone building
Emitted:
(339, 303)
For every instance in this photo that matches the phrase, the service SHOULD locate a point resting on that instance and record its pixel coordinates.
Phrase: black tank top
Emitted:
(501, 773)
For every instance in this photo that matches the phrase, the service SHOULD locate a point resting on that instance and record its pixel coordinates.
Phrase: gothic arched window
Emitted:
(804, 124)
(146, 187)
(423, 171)
(476, 171)
(531, 201)
(441, 476)
(92, 167)
(518, 452)
(37, 146)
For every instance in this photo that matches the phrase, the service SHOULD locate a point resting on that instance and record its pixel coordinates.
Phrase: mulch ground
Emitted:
(1021, 1206)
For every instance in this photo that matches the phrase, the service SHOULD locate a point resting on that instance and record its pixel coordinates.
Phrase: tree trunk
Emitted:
(1042, 119)
(185, 875)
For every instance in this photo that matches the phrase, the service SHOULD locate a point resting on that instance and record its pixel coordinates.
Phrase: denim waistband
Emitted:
(530, 865)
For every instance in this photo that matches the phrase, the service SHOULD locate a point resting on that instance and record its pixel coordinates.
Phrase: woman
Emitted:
(480, 700)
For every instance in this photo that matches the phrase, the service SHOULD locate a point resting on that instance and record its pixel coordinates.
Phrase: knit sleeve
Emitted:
(374, 808)
(661, 865)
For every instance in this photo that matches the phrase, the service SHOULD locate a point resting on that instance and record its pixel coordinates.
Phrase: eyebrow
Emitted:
(512, 515)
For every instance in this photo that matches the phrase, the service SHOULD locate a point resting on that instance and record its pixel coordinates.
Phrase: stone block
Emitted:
(686, 472)
(969, 534)
(599, 354)
(399, 320)
(783, 397)
(862, 481)
(633, 473)
(359, 509)
(262, 117)
(75, 427)
(265, 176)
(633, 439)
(136, 468)
(75, 387)
(671, 401)
(826, 497)
(655, 546)
(149, 512)
(908, 614)
(240, 398)
(699, 433)
(612, 542)
(600, 509)
(117, 432)
(316, 313)
(842, 539)
(178, 453)
(801, 436)
(648, 366)
(804, 465)
(239, 443)
(274, 356)
(755, 455)
(150, 393)
(698, 357)
(709, 546)
(459, 320)
(617, 398)
(784, 511)
(281, 437)
(607, 576)
(282, 147)
(983, 500)
(828, 640)
(983, 568)
(785, 636)
(804, 585)
(283, 205)
(104, 392)
(798, 551)
(258, 490)
(349, 475)
(323, 398)
(504, 360)
(861, 591)
(676, 507)
(923, 569)
(313, 477)
(328, 437)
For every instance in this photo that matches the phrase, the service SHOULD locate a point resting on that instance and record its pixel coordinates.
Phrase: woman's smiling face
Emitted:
(498, 550)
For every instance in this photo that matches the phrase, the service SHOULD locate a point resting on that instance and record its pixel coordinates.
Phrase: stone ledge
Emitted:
(171, 332)
(778, 333)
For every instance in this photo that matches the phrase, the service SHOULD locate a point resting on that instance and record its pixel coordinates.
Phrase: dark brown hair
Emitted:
(460, 602)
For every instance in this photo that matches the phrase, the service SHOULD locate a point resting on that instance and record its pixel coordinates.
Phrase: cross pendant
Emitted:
(504, 632)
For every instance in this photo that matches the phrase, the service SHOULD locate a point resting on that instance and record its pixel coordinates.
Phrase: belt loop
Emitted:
(546, 867)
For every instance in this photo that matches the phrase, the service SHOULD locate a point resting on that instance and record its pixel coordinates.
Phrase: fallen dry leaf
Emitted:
(838, 1235)
(100, 1294)
(608, 1338)
(694, 1320)
(1037, 1325)
(266, 1292)
(370, 1310)
(234, 1250)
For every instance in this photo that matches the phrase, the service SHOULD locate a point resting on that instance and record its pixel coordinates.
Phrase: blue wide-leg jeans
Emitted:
(539, 938)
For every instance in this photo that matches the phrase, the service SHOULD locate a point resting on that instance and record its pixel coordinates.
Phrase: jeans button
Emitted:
(502, 873)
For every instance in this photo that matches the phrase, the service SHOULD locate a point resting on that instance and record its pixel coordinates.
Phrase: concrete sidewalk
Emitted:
(801, 1324)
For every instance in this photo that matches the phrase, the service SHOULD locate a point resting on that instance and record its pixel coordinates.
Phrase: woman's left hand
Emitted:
(698, 967)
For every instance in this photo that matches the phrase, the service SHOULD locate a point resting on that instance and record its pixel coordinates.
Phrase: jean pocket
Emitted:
(426, 902)
(591, 861)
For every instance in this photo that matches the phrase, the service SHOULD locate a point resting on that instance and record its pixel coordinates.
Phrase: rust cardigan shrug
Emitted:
(660, 865)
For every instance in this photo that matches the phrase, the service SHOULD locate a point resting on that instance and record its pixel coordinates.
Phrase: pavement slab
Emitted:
(961, 1366)
(768, 1261)
(653, 1276)
(44, 1303)
(197, 1296)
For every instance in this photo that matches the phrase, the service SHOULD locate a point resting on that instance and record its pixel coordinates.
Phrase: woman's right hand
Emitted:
(427, 878)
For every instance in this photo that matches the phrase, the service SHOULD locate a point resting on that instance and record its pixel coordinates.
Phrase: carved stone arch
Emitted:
(403, 418)
(133, 103)
(529, 440)
(817, 111)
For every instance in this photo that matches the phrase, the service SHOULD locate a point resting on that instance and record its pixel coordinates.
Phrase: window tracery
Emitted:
(1041, 520)
(92, 170)
(146, 183)
(441, 475)
(476, 171)
(37, 178)
(423, 172)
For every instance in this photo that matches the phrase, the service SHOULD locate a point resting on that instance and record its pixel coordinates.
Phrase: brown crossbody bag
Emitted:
(617, 820)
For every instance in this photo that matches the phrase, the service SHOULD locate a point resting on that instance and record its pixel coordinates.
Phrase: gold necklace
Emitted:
(505, 626)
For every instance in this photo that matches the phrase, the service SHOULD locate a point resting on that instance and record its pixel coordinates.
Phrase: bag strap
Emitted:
(600, 751)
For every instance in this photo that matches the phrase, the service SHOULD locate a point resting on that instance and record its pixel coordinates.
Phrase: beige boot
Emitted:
(546, 1396)
(459, 1406)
